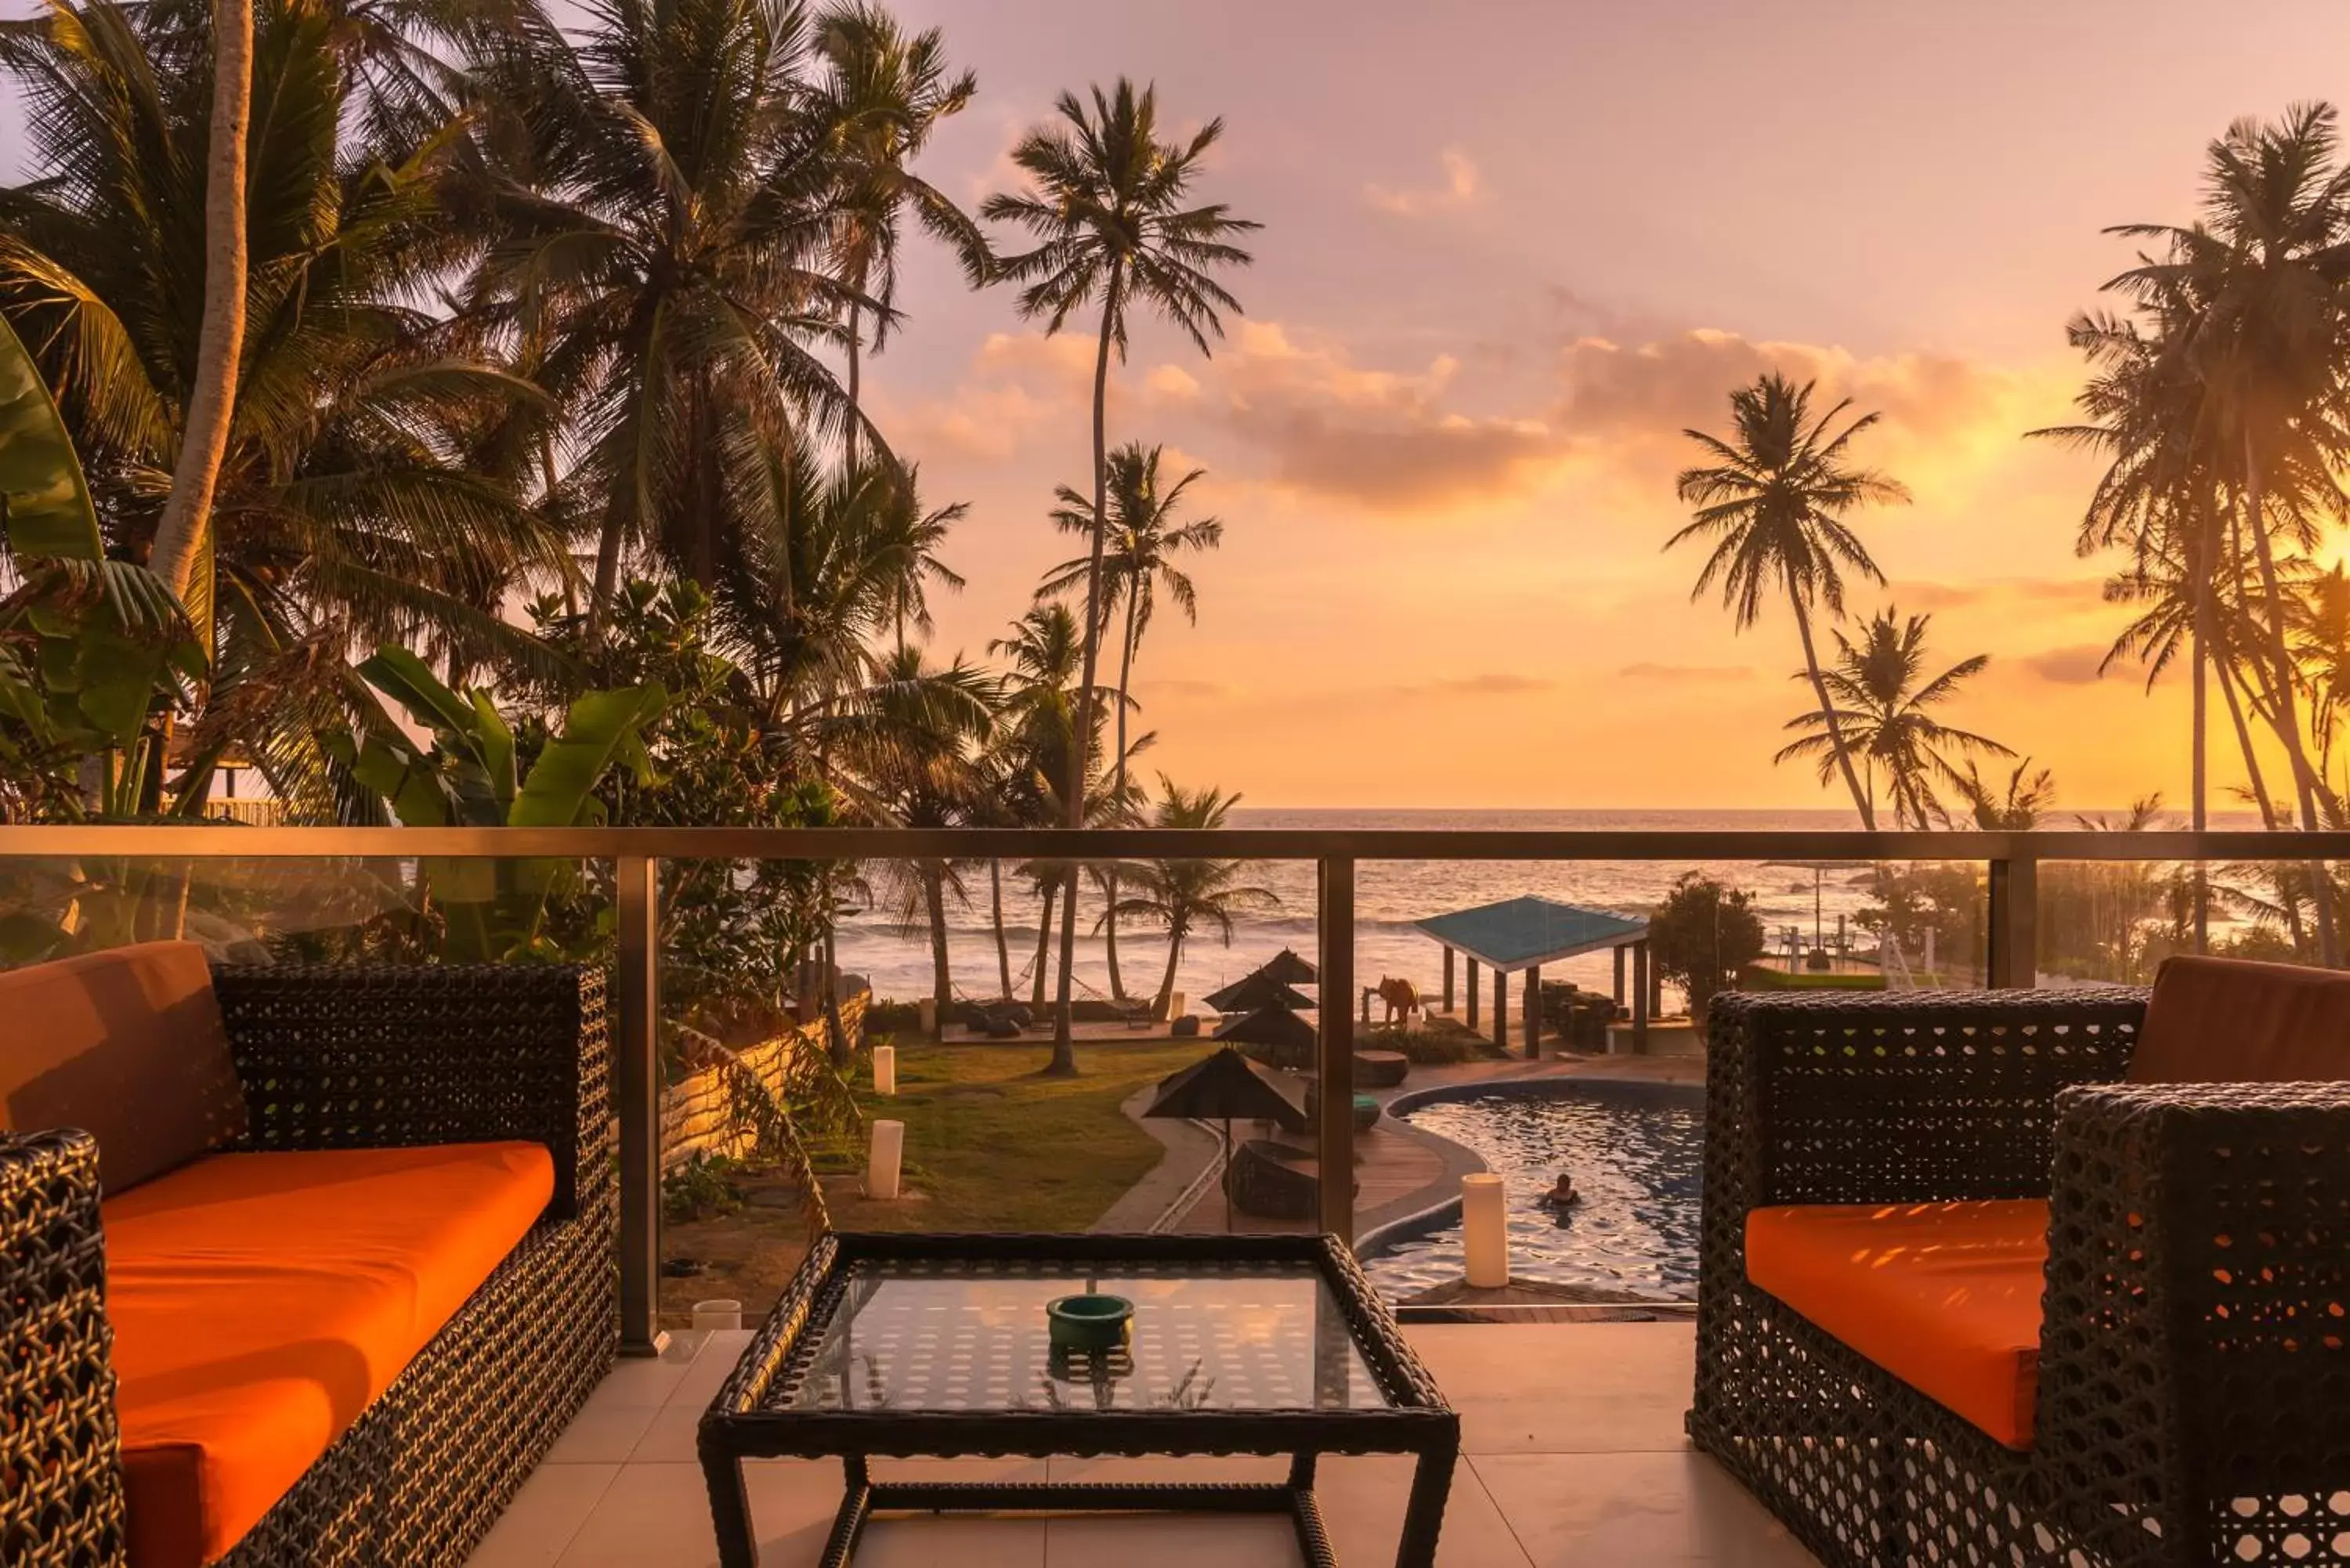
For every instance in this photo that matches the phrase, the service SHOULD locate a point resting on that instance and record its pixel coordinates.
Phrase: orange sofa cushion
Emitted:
(260, 1301)
(1944, 1296)
(2225, 1021)
(127, 1045)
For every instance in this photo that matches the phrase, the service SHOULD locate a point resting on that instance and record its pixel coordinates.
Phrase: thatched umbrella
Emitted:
(1274, 1027)
(1225, 1085)
(1252, 991)
(1290, 969)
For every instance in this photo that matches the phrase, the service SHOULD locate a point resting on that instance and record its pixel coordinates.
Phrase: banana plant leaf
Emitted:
(602, 729)
(494, 909)
(43, 497)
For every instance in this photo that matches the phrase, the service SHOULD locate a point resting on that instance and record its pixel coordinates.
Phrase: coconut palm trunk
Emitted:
(180, 536)
(934, 909)
(1827, 710)
(2200, 726)
(1164, 1003)
(1051, 891)
(855, 382)
(1124, 670)
(2270, 817)
(995, 913)
(1065, 1056)
(2288, 722)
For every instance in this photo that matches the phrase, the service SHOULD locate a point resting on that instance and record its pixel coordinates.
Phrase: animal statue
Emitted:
(1401, 997)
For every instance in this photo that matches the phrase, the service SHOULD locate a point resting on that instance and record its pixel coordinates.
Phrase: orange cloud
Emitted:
(2074, 593)
(1464, 186)
(1661, 388)
(1384, 439)
(2076, 665)
(1687, 673)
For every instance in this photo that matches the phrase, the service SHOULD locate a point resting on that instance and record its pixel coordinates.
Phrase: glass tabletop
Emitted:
(949, 1335)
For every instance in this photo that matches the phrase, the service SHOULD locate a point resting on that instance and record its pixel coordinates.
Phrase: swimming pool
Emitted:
(1634, 1150)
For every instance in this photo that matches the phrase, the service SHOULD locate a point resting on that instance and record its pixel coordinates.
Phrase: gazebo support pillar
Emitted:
(1447, 980)
(1473, 994)
(1502, 1010)
(1640, 996)
(1534, 1012)
(1619, 978)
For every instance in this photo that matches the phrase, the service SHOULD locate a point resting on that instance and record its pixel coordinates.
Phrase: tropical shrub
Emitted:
(1701, 936)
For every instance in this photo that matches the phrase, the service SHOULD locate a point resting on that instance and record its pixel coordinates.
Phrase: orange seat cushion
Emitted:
(1944, 1296)
(260, 1301)
(2225, 1021)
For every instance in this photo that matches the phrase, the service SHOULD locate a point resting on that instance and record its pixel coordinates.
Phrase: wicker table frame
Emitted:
(2194, 1381)
(1416, 1419)
(343, 1058)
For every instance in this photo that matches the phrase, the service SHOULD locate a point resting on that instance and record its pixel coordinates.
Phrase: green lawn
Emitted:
(991, 1146)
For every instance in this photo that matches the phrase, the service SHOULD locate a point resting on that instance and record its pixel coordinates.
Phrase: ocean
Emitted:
(1389, 895)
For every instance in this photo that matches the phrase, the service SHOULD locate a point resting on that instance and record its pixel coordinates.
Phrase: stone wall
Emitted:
(693, 1113)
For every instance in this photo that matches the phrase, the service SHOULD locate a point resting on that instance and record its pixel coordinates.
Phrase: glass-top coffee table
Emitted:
(893, 1346)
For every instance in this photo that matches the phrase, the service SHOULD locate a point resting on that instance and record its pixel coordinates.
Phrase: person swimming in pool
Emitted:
(1562, 1195)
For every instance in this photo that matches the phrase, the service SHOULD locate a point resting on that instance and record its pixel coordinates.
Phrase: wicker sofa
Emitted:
(2182, 1387)
(359, 1067)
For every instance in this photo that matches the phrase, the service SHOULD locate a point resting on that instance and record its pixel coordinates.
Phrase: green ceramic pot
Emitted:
(1089, 1321)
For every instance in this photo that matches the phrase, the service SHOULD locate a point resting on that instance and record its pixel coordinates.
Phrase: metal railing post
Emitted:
(2014, 921)
(637, 1099)
(1334, 1145)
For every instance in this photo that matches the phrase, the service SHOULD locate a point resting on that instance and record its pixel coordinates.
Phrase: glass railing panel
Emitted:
(2117, 920)
(1598, 1131)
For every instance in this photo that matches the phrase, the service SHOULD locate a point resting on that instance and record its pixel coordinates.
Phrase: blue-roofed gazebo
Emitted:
(1520, 936)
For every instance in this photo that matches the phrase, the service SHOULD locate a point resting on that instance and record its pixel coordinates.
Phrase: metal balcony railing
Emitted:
(2010, 917)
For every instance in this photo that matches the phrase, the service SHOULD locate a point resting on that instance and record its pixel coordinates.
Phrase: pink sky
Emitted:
(1510, 251)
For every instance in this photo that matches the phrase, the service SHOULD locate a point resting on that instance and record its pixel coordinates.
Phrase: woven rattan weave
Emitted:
(896, 1345)
(2194, 1381)
(343, 1058)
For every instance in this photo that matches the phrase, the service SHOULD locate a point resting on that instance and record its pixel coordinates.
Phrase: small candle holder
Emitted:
(1088, 1323)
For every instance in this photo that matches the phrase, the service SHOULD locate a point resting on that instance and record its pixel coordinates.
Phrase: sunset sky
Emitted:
(1510, 250)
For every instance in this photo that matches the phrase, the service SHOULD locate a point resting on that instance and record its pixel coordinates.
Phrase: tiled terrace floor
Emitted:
(1571, 1436)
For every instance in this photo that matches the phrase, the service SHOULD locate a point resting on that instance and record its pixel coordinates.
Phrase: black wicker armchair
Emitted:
(2193, 1383)
(342, 1058)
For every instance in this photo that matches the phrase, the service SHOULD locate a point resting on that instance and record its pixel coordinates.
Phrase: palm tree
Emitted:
(2253, 300)
(1140, 560)
(211, 401)
(2016, 808)
(2208, 613)
(912, 537)
(664, 191)
(2160, 495)
(2320, 615)
(1107, 210)
(1043, 653)
(885, 96)
(350, 511)
(1188, 897)
(1774, 502)
(817, 572)
(1884, 714)
(914, 745)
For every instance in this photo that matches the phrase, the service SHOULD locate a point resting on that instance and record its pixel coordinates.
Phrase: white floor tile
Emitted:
(543, 1516)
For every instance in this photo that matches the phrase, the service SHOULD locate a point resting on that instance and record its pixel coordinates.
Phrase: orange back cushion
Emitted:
(2224, 1020)
(127, 1045)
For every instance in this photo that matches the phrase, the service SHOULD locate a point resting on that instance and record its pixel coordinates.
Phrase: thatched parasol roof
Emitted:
(1228, 1086)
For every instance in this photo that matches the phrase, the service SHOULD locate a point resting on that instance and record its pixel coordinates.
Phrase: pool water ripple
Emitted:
(1634, 1150)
